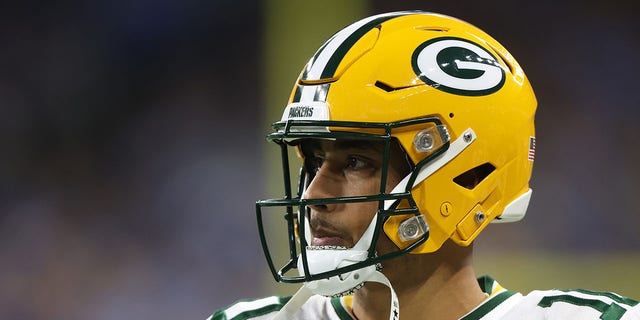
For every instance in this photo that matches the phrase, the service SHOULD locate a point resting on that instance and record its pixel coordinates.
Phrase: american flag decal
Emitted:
(532, 148)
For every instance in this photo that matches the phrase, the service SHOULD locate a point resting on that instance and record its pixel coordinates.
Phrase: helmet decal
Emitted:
(532, 149)
(313, 110)
(325, 62)
(458, 66)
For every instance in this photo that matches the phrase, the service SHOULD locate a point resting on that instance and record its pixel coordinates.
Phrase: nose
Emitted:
(325, 184)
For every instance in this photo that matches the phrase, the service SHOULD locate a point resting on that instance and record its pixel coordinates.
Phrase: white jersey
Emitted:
(501, 305)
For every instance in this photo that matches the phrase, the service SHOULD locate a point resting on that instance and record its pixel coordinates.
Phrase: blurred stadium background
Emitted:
(132, 147)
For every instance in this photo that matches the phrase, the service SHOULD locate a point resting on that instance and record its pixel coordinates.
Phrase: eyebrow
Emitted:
(360, 145)
(308, 146)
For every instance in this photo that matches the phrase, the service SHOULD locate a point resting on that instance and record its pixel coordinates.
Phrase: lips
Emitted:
(324, 238)
(328, 241)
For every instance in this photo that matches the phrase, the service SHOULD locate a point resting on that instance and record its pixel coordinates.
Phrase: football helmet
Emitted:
(456, 101)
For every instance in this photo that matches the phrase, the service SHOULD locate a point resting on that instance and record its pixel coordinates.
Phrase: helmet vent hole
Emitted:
(471, 178)
(451, 115)
(389, 88)
(384, 86)
(436, 29)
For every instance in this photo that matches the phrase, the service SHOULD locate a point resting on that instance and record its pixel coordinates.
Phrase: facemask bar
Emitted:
(286, 134)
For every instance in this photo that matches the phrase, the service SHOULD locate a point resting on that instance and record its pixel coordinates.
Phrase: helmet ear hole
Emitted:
(471, 178)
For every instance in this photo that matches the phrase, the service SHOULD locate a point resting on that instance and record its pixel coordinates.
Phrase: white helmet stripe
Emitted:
(324, 63)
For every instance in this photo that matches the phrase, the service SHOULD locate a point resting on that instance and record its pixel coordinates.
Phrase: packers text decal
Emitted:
(458, 66)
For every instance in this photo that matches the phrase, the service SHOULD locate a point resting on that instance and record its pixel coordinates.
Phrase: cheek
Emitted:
(360, 220)
(360, 216)
(363, 212)
(363, 187)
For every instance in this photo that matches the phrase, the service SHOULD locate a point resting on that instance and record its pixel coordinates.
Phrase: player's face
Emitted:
(345, 168)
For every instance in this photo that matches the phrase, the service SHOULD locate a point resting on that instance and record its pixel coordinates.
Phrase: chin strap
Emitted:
(394, 311)
(291, 307)
(303, 294)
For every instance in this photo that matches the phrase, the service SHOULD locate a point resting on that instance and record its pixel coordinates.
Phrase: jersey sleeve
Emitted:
(576, 304)
(317, 307)
(258, 309)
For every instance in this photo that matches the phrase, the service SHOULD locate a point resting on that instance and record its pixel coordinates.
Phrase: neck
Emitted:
(440, 285)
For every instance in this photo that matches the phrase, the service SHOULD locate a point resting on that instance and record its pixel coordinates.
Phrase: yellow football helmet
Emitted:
(457, 102)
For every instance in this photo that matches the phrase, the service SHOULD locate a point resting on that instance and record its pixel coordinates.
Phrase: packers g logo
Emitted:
(458, 66)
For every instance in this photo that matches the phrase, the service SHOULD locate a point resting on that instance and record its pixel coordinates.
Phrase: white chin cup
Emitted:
(323, 260)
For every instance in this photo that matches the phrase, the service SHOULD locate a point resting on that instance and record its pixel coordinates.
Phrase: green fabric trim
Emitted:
(486, 284)
(486, 307)
(608, 311)
(221, 314)
(342, 313)
(612, 296)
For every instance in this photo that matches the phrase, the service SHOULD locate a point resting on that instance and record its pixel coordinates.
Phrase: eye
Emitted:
(356, 163)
